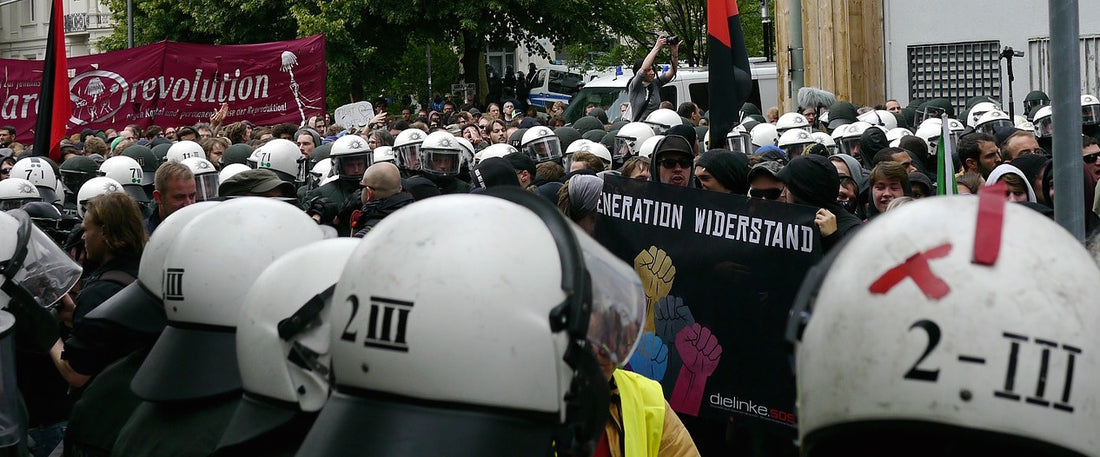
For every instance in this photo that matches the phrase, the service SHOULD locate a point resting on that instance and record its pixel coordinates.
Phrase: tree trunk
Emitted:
(473, 61)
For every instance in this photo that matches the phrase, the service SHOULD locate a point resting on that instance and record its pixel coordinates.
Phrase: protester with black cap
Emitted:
(525, 167)
(723, 171)
(812, 180)
(260, 182)
(672, 161)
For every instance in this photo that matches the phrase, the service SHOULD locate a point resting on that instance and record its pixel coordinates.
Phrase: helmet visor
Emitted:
(1044, 127)
(618, 302)
(794, 150)
(624, 147)
(992, 126)
(445, 162)
(1090, 115)
(206, 187)
(850, 146)
(408, 156)
(737, 143)
(47, 273)
(544, 149)
(352, 166)
(16, 203)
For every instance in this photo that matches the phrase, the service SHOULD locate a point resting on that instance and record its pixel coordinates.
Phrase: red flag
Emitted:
(730, 76)
(53, 96)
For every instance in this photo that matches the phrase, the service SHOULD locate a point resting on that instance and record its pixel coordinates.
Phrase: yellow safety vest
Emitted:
(643, 414)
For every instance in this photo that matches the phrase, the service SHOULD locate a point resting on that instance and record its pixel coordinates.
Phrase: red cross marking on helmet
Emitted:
(917, 268)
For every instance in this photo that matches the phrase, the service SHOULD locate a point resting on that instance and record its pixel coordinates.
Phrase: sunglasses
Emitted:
(1091, 158)
(766, 194)
(671, 163)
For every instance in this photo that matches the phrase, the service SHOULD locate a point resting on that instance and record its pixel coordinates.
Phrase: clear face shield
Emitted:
(850, 146)
(618, 302)
(991, 126)
(567, 162)
(442, 162)
(543, 149)
(39, 267)
(16, 203)
(353, 166)
(1032, 104)
(1090, 115)
(206, 187)
(407, 156)
(624, 147)
(1044, 128)
(930, 112)
(794, 150)
(738, 142)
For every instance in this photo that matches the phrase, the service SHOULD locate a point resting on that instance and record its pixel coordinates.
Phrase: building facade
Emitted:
(24, 25)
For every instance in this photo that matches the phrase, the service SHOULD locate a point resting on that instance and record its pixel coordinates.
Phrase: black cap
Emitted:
(256, 181)
(493, 172)
(841, 113)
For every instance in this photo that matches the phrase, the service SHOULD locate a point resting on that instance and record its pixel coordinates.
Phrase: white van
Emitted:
(690, 84)
(556, 83)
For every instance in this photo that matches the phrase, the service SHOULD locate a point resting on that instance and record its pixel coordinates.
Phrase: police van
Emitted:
(690, 84)
(559, 83)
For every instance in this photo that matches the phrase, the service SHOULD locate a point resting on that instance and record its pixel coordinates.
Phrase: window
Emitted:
(700, 95)
(955, 71)
(668, 94)
(539, 80)
(501, 59)
(1038, 56)
(563, 82)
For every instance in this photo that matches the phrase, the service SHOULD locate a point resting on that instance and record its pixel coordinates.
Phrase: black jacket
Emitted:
(374, 211)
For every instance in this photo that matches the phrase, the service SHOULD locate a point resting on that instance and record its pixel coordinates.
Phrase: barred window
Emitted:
(955, 71)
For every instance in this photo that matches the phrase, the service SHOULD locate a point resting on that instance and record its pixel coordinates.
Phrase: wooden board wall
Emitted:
(843, 50)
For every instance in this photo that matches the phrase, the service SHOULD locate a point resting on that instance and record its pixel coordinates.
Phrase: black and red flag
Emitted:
(53, 96)
(730, 76)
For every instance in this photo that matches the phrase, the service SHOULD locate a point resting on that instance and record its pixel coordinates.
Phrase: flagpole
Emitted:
(1065, 99)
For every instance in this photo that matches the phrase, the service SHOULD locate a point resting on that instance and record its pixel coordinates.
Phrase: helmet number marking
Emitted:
(1016, 342)
(265, 159)
(919, 374)
(386, 322)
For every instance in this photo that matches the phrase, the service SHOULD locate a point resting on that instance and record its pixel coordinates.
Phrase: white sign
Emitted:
(356, 114)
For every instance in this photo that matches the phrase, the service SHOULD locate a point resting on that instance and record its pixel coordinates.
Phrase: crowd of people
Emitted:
(186, 308)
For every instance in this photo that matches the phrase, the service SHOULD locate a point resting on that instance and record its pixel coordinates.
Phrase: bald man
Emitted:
(382, 195)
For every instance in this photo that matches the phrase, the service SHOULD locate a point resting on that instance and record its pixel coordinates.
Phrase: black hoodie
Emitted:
(731, 169)
(813, 181)
(671, 143)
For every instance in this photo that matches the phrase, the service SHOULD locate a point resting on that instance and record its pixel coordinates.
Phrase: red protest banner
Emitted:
(173, 84)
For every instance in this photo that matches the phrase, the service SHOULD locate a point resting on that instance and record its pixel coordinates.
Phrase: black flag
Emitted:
(730, 77)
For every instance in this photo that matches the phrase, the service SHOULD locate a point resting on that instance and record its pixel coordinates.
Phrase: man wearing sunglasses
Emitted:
(1090, 152)
(672, 161)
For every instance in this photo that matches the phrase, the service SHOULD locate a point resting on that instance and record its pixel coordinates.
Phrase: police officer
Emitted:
(350, 158)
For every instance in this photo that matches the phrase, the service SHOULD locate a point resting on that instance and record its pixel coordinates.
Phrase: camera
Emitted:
(673, 40)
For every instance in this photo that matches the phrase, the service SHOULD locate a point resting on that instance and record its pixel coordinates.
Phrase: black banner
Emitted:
(721, 272)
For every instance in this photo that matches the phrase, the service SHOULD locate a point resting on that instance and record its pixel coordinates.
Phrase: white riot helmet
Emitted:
(662, 120)
(387, 368)
(791, 121)
(59, 191)
(899, 346)
(441, 154)
(706, 141)
(1090, 110)
(228, 171)
(826, 140)
(977, 111)
(206, 178)
(467, 149)
(406, 148)
(895, 134)
(541, 144)
(138, 306)
(40, 172)
(184, 150)
(383, 154)
(589, 146)
(794, 141)
(738, 140)
(127, 172)
(764, 134)
(649, 146)
(629, 139)
(93, 188)
(322, 170)
(930, 131)
(16, 192)
(848, 137)
(350, 157)
(284, 158)
(1022, 123)
(202, 298)
(991, 120)
(254, 159)
(283, 339)
(881, 118)
(1044, 122)
(34, 271)
(496, 150)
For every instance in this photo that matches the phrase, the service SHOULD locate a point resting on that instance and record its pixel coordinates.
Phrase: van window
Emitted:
(540, 78)
(608, 98)
(563, 82)
(668, 94)
(700, 95)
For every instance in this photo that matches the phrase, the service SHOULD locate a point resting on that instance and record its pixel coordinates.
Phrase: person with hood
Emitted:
(672, 161)
(578, 198)
(871, 142)
(382, 195)
(492, 172)
(1019, 189)
(920, 185)
(723, 171)
(811, 180)
(852, 194)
